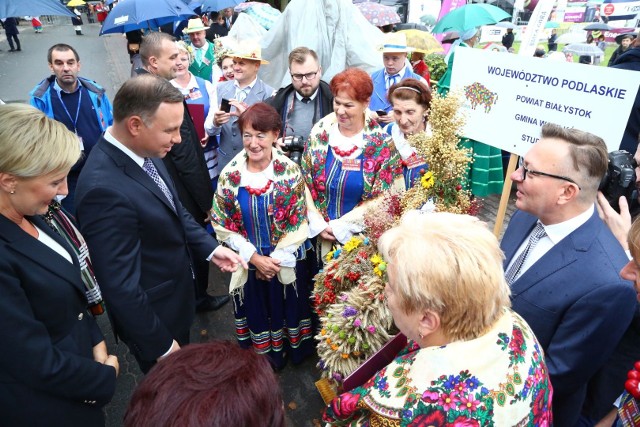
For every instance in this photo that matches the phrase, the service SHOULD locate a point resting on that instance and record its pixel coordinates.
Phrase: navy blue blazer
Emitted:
(47, 372)
(141, 250)
(576, 303)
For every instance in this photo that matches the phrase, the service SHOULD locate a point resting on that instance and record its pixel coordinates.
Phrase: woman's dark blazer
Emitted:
(47, 373)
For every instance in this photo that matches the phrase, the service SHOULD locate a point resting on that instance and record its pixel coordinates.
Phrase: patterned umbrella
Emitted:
(422, 41)
(263, 13)
(583, 49)
(378, 14)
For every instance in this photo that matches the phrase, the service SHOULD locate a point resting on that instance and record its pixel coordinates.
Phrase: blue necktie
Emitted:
(151, 170)
(391, 80)
(513, 271)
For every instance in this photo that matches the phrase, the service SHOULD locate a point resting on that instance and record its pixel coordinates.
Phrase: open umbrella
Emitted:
(378, 14)
(598, 26)
(74, 3)
(470, 16)
(410, 26)
(450, 37)
(10, 8)
(422, 41)
(429, 20)
(216, 5)
(569, 38)
(507, 24)
(551, 24)
(129, 15)
(583, 49)
(263, 13)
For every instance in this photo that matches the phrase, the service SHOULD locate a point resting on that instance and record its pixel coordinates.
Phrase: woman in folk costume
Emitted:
(470, 360)
(260, 211)
(349, 159)
(411, 100)
(486, 175)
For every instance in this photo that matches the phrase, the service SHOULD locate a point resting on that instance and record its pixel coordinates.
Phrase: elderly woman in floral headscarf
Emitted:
(470, 360)
(260, 211)
(349, 159)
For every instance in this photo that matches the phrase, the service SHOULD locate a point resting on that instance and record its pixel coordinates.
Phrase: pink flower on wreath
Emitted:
(369, 165)
(280, 214)
(385, 153)
(463, 421)
(448, 401)
(468, 402)
(345, 404)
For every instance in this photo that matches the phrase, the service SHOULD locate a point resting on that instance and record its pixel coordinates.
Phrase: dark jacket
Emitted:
(216, 30)
(507, 39)
(279, 99)
(551, 42)
(630, 60)
(11, 27)
(47, 372)
(616, 54)
(188, 169)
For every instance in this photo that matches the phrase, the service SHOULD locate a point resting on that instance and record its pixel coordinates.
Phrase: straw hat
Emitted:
(194, 26)
(394, 42)
(249, 49)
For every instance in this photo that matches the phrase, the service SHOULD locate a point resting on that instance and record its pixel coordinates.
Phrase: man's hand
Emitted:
(327, 234)
(386, 119)
(618, 223)
(113, 361)
(227, 260)
(220, 118)
(240, 107)
(267, 267)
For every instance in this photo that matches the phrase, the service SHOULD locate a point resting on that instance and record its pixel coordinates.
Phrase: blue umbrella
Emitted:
(11, 8)
(215, 5)
(470, 16)
(129, 15)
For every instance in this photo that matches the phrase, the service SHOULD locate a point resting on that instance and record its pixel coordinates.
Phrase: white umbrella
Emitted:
(506, 24)
(583, 49)
(569, 38)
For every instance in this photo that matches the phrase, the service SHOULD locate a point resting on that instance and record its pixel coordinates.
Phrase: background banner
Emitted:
(509, 97)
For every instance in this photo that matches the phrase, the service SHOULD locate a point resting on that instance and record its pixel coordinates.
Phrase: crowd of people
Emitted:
(197, 161)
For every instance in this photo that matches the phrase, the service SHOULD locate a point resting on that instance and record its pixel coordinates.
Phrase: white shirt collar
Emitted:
(559, 231)
(205, 46)
(401, 72)
(249, 86)
(112, 140)
(192, 83)
(312, 97)
(58, 89)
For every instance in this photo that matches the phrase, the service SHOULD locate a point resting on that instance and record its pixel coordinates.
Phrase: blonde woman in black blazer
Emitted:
(54, 365)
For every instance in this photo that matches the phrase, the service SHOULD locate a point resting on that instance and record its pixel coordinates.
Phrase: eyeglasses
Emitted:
(308, 76)
(526, 172)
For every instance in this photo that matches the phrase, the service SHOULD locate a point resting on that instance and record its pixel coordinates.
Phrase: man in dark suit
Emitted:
(185, 162)
(142, 239)
(562, 263)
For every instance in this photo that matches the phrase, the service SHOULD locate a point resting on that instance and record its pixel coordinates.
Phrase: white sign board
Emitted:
(507, 98)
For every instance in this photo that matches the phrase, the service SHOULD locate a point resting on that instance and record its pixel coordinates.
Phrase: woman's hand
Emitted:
(267, 267)
(327, 234)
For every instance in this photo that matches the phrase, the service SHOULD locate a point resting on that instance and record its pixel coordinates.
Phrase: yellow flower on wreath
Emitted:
(380, 268)
(352, 244)
(427, 180)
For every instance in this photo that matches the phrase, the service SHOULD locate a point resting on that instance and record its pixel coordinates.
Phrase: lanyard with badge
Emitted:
(74, 122)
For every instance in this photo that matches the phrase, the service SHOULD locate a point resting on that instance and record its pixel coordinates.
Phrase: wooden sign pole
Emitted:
(504, 200)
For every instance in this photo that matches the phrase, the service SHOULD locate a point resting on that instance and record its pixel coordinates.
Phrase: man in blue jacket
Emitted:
(81, 104)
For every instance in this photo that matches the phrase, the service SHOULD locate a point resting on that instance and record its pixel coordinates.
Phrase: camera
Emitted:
(295, 147)
(620, 179)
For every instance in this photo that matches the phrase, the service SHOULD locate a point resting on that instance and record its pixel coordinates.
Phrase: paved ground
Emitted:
(105, 60)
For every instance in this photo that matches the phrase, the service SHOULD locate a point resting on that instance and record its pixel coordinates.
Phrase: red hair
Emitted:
(355, 82)
(261, 117)
(211, 384)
